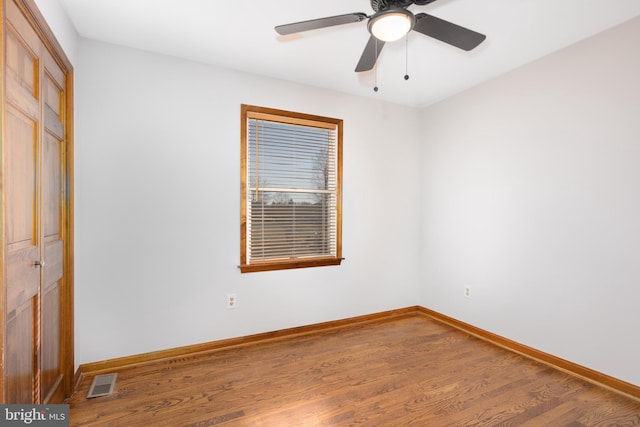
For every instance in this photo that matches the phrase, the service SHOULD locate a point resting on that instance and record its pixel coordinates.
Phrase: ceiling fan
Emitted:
(392, 21)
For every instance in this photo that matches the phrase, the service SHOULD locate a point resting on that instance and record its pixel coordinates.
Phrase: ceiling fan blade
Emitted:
(315, 24)
(370, 55)
(447, 32)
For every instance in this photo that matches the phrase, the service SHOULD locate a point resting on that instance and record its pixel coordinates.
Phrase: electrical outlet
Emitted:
(467, 291)
(232, 300)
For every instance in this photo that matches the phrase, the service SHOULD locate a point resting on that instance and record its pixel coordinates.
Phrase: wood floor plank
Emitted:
(412, 370)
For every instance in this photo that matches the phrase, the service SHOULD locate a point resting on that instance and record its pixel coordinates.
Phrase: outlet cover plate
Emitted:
(232, 301)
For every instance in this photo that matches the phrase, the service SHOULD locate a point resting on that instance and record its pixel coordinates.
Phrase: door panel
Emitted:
(51, 370)
(52, 185)
(53, 100)
(23, 278)
(21, 59)
(22, 144)
(54, 267)
(20, 364)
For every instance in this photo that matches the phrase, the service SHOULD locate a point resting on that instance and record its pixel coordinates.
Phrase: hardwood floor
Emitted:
(407, 371)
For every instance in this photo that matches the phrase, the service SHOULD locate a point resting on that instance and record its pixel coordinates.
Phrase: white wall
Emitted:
(158, 207)
(530, 195)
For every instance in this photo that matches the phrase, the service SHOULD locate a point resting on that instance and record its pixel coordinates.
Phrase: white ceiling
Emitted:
(239, 35)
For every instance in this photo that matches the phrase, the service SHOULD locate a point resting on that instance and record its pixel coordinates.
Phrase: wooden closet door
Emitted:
(22, 128)
(52, 231)
(35, 156)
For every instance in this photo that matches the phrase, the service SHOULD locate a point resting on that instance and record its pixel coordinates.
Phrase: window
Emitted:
(291, 182)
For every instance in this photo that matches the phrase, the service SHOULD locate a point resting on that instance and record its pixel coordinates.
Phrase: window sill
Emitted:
(288, 264)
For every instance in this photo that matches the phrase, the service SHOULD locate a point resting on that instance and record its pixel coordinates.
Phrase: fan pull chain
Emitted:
(375, 87)
(406, 57)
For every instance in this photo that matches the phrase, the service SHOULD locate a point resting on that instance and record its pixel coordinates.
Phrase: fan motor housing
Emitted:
(377, 5)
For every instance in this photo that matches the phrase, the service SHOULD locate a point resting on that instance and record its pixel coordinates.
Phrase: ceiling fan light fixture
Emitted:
(391, 24)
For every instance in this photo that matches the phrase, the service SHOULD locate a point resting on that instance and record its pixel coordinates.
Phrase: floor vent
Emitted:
(102, 385)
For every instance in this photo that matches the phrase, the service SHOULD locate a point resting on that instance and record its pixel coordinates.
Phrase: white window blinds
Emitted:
(292, 189)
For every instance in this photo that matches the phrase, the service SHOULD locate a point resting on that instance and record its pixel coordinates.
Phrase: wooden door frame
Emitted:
(37, 21)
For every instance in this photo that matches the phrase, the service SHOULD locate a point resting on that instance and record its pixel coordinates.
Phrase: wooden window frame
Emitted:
(247, 265)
